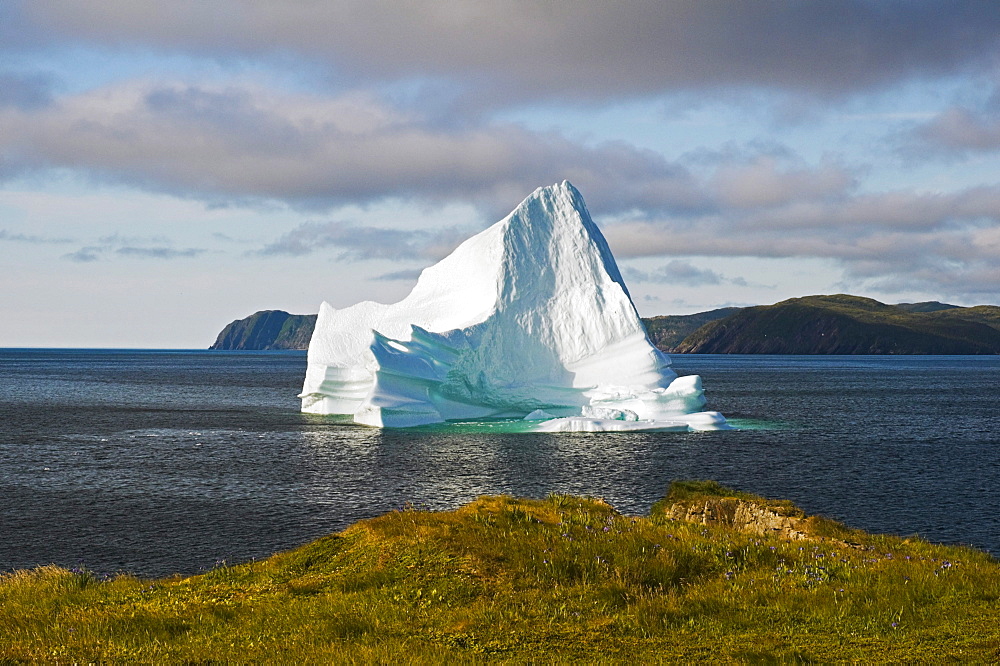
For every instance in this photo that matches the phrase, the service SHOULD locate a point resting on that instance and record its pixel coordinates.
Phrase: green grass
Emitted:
(516, 580)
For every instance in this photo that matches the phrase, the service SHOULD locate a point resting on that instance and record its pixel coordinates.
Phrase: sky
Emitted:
(168, 167)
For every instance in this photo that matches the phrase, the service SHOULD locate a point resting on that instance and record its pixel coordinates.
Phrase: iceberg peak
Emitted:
(530, 314)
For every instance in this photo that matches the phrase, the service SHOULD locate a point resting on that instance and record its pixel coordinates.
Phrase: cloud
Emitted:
(358, 242)
(957, 131)
(251, 144)
(159, 252)
(30, 238)
(675, 272)
(679, 272)
(85, 254)
(124, 246)
(511, 49)
(414, 120)
(942, 242)
(763, 183)
(248, 144)
(407, 275)
(25, 91)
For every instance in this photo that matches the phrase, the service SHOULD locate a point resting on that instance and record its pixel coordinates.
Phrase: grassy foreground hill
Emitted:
(710, 575)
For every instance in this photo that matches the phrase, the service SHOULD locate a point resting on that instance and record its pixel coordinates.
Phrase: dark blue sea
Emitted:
(161, 462)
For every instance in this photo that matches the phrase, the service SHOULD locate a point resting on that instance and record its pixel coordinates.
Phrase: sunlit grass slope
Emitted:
(506, 579)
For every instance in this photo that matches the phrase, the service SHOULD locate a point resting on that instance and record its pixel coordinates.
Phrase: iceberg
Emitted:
(528, 319)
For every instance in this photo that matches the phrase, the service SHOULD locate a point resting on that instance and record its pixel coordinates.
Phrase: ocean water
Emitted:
(161, 462)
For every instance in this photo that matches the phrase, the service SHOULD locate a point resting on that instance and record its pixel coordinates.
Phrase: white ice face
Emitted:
(530, 314)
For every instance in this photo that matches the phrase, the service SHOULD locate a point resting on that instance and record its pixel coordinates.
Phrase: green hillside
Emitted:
(843, 324)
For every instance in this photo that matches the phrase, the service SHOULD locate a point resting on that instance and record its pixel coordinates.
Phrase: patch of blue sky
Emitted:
(78, 69)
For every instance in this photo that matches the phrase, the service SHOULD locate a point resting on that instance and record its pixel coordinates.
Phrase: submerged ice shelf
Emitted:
(527, 319)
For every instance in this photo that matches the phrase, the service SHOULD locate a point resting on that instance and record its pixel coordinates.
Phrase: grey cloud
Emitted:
(230, 239)
(676, 272)
(124, 246)
(18, 32)
(85, 254)
(31, 238)
(25, 91)
(159, 252)
(956, 130)
(310, 152)
(761, 183)
(411, 274)
(562, 48)
(120, 239)
(681, 272)
(947, 243)
(366, 242)
(971, 280)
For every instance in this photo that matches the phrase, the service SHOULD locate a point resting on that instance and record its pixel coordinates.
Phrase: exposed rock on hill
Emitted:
(709, 503)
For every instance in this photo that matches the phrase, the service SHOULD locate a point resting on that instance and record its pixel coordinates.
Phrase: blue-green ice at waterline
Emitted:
(520, 426)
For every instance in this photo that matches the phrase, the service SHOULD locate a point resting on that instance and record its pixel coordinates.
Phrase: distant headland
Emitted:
(833, 324)
(267, 329)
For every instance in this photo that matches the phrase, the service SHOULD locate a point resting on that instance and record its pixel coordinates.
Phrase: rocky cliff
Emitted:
(267, 329)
